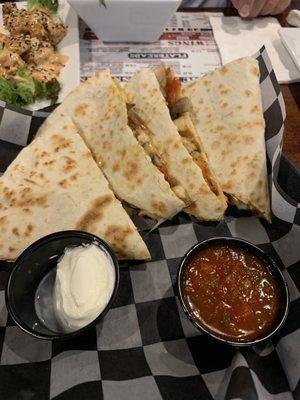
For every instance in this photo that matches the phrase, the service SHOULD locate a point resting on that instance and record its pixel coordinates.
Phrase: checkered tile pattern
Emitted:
(145, 348)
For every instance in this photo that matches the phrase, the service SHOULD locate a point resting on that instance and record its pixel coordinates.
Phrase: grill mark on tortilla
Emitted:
(50, 162)
(70, 163)
(248, 124)
(15, 231)
(216, 144)
(255, 71)
(131, 170)
(30, 181)
(60, 142)
(28, 200)
(159, 206)
(28, 230)
(62, 146)
(43, 154)
(107, 146)
(254, 109)
(224, 91)
(116, 167)
(117, 235)
(248, 139)
(80, 109)
(3, 220)
(25, 191)
(74, 176)
(63, 183)
(8, 193)
(95, 213)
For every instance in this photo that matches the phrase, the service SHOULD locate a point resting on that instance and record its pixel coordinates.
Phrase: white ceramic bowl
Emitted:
(126, 20)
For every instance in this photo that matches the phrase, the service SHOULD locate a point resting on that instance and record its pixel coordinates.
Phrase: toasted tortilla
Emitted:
(182, 114)
(167, 149)
(54, 184)
(229, 120)
(193, 144)
(98, 109)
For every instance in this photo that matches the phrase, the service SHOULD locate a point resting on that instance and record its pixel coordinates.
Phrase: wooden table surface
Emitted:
(291, 95)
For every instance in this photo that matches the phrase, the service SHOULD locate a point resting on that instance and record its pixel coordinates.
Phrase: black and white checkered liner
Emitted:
(145, 348)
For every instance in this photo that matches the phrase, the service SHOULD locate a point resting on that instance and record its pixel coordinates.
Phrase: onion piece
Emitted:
(181, 106)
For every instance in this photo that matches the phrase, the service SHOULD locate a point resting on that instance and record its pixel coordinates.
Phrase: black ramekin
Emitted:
(29, 270)
(272, 267)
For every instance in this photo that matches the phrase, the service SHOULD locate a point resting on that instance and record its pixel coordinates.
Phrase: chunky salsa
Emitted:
(230, 292)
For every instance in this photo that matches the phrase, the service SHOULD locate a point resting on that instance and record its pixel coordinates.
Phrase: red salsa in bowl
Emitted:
(230, 291)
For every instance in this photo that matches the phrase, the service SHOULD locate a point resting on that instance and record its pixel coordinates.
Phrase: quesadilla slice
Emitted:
(98, 109)
(54, 184)
(230, 123)
(182, 114)
(150, 118)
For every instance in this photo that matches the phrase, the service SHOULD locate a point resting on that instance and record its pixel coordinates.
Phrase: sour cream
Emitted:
(84, 284)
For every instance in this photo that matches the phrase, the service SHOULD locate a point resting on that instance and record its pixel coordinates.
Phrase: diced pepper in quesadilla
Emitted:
(54, 184)
(98, 109)
(151, 120)
(230, 123)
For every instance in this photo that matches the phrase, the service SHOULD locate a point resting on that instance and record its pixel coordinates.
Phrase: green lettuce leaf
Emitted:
(40, 89)
(7, 91)
(52, 89)
(50, 5)
(23, 89)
